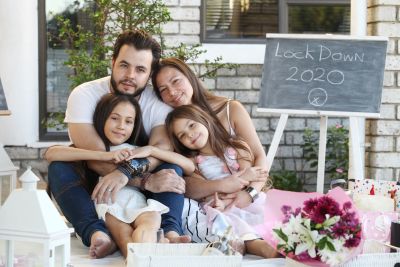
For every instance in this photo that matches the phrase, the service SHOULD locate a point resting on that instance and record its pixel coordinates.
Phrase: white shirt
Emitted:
(84, 98)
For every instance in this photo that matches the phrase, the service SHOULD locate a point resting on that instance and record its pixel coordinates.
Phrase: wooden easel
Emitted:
(355, 146)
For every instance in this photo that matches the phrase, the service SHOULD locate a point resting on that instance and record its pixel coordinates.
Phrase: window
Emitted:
(54, 85)
(247, 21)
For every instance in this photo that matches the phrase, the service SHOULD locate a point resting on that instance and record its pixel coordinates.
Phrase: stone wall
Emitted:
(243, 83)
(383, 157)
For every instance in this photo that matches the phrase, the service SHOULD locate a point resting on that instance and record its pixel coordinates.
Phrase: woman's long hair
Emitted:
(218, 138)
(201, 96)
(103, 110)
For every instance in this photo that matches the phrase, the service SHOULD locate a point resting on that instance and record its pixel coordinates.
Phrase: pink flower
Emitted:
(339, 170)
(338, 126)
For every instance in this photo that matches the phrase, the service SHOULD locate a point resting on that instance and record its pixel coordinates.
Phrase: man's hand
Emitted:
(108, 186)
(165, 181)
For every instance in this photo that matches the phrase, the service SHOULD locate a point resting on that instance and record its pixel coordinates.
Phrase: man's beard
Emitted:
(114, 86)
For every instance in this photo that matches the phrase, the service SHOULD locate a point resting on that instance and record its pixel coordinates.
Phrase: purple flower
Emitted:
(325, 205)
(287, 211)
(352, 242)
(347, 205)
(339, 230)
(310, 204)
(297, 211)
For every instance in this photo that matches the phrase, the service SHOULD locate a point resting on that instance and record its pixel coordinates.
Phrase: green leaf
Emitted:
(281, 234)
(331, 247)
(322, 243)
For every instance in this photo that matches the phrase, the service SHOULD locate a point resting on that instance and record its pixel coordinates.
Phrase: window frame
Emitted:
(44, 135)
(284, 10)
(282, 21)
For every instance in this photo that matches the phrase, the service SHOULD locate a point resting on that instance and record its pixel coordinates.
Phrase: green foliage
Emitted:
(337, 151)
(89, 45)
(286, 180)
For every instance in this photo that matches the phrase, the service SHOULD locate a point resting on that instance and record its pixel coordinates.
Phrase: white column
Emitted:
(358, 27)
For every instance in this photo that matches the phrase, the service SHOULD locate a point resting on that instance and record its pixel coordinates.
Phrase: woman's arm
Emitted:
(168, 156)
(244, 128)
(66, 153)
(197, 187)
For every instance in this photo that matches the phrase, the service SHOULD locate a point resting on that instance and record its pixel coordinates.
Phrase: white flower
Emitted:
(334, 258)
(308, 239)
(330, 221)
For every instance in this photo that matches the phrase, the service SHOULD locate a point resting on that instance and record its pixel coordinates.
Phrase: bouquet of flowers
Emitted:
(321, 229)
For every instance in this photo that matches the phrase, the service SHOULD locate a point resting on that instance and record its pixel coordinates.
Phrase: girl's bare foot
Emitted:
(101, 245)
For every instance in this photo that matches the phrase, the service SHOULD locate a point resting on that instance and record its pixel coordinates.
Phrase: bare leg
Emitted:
(261, 248)
(121, 232)
(146, 226)
(101, 245)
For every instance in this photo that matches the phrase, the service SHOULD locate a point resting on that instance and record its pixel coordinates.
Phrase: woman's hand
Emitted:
(234, 182)
(255, 174)
(240, 199)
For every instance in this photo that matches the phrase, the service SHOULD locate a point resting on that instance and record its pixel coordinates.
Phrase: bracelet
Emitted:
(143, 181)
(134, 167)
(252, 192)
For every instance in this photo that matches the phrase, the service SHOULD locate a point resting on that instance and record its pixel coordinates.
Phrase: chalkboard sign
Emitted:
(323, 74)
(3, 103)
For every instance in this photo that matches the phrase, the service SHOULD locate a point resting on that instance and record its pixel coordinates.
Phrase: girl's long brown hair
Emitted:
(103, 110)
(219, 138)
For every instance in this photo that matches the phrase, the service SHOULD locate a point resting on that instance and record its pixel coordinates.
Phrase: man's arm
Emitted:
(159, 138)
(163, 180)
(83, 135)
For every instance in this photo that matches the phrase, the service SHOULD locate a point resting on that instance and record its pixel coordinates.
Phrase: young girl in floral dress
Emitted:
(132, 217)
(217, 156)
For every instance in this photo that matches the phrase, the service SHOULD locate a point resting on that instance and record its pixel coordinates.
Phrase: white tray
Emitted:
(176, 255)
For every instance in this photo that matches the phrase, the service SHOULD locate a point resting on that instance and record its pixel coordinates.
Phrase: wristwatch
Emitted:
(252, 192)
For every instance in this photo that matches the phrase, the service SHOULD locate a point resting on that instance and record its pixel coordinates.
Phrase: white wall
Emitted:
(19, 71)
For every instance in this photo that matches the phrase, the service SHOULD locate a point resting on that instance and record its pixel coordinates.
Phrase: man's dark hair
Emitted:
(141, 41)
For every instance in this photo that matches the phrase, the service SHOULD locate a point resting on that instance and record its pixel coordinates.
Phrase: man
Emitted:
(135, 54)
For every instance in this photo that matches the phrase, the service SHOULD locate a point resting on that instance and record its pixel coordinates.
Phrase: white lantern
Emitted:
(29, 216)
(7, 171)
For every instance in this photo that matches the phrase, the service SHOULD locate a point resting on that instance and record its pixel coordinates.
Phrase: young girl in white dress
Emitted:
(117, 120)
(217, 155)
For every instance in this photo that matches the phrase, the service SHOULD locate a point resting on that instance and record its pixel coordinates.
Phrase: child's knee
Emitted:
(149, 219)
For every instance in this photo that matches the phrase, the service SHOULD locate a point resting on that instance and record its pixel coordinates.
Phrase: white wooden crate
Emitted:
(176, 255)
(374, 260)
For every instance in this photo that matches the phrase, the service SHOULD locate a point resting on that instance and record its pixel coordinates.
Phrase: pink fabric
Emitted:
(274, 201)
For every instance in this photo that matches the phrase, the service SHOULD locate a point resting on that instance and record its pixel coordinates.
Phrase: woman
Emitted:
(176, 84)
